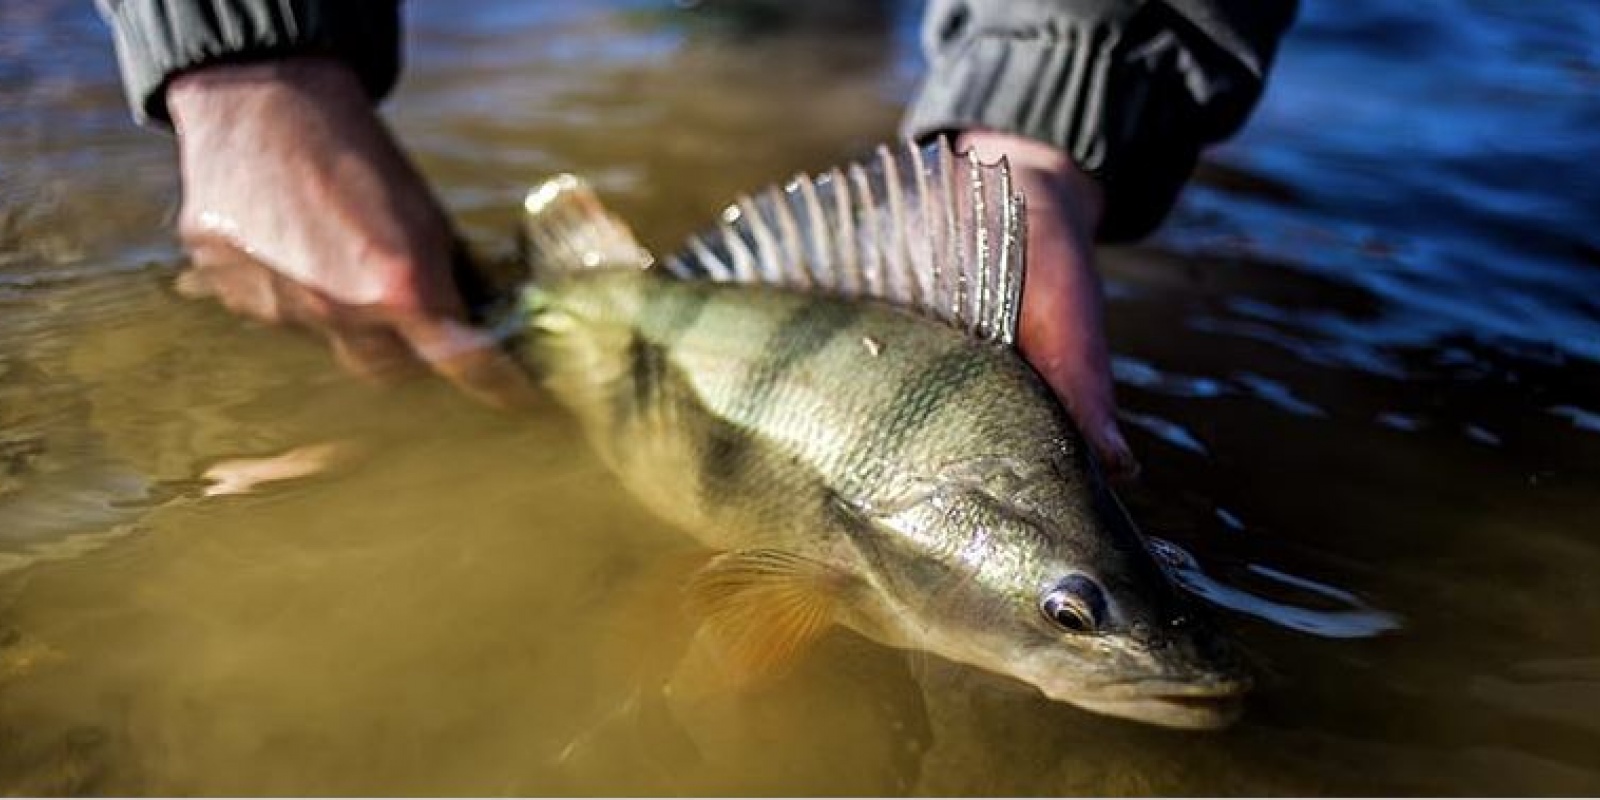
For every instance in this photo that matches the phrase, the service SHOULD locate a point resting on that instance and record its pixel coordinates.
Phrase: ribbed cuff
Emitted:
(1128, 100)
(158, 39)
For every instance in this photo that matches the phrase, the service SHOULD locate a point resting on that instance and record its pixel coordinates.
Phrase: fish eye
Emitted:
(1075, 603)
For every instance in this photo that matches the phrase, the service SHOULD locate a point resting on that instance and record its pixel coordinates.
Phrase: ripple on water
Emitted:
(1144, 375)
(1581, 419)
(1166, 430)
(1354, 620)
(1277, 394)
(1229, 518)
(1481, 435)
(1409, 423)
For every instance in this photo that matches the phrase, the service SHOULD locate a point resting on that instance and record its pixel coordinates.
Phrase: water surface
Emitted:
(1359, 365)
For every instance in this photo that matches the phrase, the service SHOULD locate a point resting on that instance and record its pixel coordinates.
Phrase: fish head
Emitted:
(1058, 590)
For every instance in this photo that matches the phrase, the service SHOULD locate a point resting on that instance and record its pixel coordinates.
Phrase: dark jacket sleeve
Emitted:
(1132, 89)
(157, 39)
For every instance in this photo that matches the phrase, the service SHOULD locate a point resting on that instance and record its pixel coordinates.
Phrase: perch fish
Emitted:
(826, 391)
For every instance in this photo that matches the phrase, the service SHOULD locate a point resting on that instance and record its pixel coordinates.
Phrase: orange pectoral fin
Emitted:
(761, 609)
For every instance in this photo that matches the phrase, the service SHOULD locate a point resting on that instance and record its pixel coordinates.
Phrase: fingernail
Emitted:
(1119, 458)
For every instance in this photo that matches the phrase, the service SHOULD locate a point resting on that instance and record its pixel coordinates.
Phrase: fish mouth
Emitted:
(1208, 705)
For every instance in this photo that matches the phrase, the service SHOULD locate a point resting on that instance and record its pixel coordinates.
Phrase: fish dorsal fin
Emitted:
(763, 608)
(565, 228)
(918, 227)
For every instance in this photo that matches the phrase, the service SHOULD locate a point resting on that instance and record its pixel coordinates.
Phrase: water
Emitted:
(1361, 365)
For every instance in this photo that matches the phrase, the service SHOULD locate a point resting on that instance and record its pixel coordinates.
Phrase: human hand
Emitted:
(1062, 330)
(299, 208)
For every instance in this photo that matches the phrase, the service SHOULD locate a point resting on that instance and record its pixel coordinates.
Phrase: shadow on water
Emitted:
(1360, 365)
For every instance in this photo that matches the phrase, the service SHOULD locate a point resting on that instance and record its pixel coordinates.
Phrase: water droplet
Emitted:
(1399, 422)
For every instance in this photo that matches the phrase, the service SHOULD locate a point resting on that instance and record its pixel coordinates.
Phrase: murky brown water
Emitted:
(1359, 366)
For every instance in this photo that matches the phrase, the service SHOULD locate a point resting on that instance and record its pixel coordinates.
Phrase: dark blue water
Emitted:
(1360, 364)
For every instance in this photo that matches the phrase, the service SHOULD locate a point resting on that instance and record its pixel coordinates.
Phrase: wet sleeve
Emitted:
(157, 39)
(1131, 89)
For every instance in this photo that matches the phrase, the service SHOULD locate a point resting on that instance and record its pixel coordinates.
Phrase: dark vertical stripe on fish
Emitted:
(916, 403)
(726, 454)
(723, 459)
(636, 394)
(670, 309)
(800, 336)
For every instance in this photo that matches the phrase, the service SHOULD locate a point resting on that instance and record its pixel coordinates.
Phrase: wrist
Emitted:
(228, 90)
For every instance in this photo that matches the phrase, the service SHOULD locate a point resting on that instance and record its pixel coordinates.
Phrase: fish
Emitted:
(825, 391)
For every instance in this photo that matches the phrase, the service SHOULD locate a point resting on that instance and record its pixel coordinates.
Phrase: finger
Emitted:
(372, 354)
(1075, 366)
(243, 475)
(1088, 395)
(1063, 337)
(243, 289)
(250, 288)
(468, 358)
(192, 284)
(237, 281)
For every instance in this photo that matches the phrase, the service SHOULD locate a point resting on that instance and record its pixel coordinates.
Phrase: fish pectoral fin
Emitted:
(763, 608)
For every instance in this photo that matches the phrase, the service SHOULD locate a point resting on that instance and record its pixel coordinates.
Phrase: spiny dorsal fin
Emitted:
(921, 228)
(565, 228)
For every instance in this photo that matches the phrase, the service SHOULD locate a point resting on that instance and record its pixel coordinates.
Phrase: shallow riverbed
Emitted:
(1360, 364)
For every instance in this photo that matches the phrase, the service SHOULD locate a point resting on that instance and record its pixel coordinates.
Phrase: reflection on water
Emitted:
(1349, 618)
(1359, 367)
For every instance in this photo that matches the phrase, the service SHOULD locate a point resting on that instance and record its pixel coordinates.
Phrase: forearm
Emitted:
(1130, 90)
(157, 40)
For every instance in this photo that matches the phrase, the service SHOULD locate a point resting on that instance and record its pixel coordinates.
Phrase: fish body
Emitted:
(732, 408)
(860, 463)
